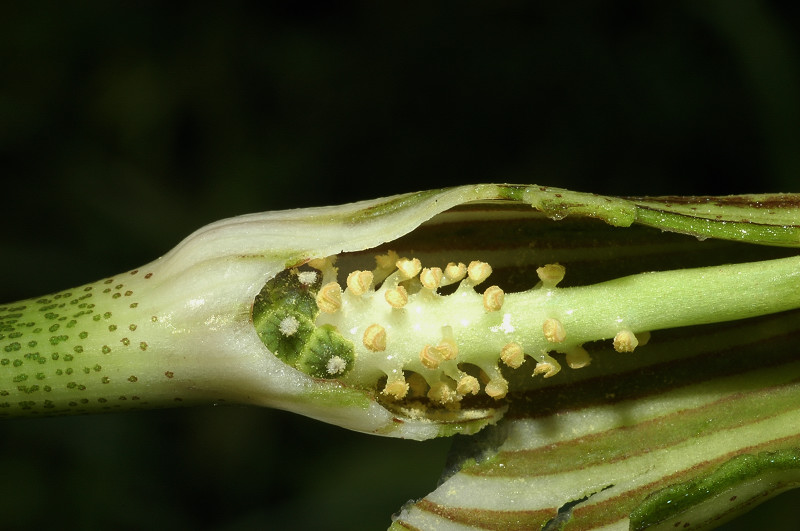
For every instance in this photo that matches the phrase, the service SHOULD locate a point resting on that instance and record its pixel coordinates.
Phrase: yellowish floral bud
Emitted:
(468, 385)
(551, 274)
(478, 271)
(358, 282)
(512, 355)
(493, 298)
(497, 388)
(455, 272)
(625, 341)
(409, 268)
(430, 357)
(431, 277)
(329, 298)
(578, 358)
(554, 330)
(396, 297)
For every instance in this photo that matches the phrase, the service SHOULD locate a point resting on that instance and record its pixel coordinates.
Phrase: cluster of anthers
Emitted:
(392, 322)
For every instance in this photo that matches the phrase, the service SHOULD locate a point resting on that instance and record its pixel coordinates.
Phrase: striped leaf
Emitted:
(689, 431)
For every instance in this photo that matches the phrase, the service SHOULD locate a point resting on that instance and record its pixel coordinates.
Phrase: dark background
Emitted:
(125, 126)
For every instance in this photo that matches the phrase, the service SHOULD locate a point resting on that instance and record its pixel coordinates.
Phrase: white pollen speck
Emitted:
(506, 326)
(336, 365)
(289, 326)
(307, 277)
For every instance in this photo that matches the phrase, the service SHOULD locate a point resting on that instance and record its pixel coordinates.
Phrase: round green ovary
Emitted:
(284, 314)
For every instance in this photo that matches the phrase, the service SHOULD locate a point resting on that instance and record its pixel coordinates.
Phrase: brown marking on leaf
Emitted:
(781, 201)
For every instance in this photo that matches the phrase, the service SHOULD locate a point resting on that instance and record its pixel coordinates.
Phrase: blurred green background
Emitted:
(125, 126)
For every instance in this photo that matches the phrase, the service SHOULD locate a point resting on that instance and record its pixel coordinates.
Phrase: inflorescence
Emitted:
(391, 329)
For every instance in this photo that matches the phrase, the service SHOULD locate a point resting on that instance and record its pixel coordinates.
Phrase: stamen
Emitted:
(578, 358)
(554, 330)
(643, 337)
(430, 357)
(447, 346)
(386, 261)
(384, 264)
(551, 275)
(447, 349)
(329, 298)
(431, 277)
(397, 387)
(408, 268)
(375, 338)
(478, 271)
(625, 341)
(319, 263)
(358, 282)
(455, 272)
(496, 385)
(493, 298)
(396, 297)
(497, 388)
(547, 367)
(443, 393)
(417, 386)
(468, 385)
(325, 266)
(512, 355)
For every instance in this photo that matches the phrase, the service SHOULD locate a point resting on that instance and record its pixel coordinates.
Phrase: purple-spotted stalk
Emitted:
(435, 313)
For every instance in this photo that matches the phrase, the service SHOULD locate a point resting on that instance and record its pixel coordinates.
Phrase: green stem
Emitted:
(100, 347)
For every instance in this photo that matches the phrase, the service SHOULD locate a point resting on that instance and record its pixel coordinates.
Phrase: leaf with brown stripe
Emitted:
(699, 425)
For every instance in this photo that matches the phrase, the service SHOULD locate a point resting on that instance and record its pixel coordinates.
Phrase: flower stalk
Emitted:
(393, 351)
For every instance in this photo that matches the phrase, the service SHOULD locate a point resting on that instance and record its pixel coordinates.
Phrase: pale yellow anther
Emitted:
(409, 268)
(497, 388)
(386, 261)
(329, 298)
(358, 282)
(448, 349)
(397, 388)
(417, 386)
(318, 263)
(551, 274)
(468, 385)
(478, 271)
(493, 298)
(547, 368)
(454, 272)
(578, 358)
(512, 355)
(396, 297)
(430, 357)
(625, 341)
(554, 330)
(643, 337)
(431, 277)
(442, 393)
(375, 338)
